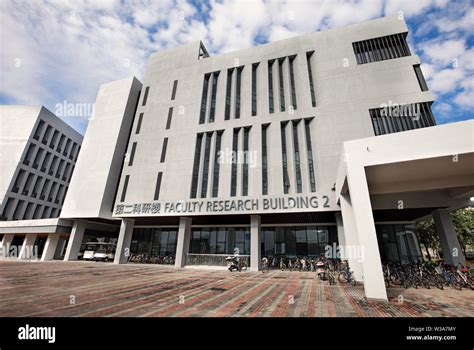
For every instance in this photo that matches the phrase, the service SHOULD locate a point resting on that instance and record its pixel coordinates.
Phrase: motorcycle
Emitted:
(233, 263)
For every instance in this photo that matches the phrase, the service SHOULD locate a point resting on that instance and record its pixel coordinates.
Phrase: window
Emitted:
(309, 54)
(296, 147)
(237, 92)
(8, 207)
(46, 135)
(46, 212)
(132, 154)
(52, 192)
(420, 77)
(66, 172)
(281, 61)
(19, 180)
(39, 130)
(163, 150)
(37, 159)
(28, 184)
(284, 156)
(170, 116)
(215, 77)
(66, 148)
(139, 123)
(220, 240)
(205, 88)
(173, 93)
(309, 152)
(59, 194)
(228, 92)
(270, 86)
(264, 160)
(245, 165)
(235, 147)
(29, 154)
(60, 144)
(145, 96)
(381, 48)
(158, 186)
(254, 89)
(54, 139)
(73, 151)
(29, 211)
(53, 165)
(124, 190)
(45, 189)
(18, 210)
(77, 153)
(46, 160)
(37, 186)
(196, 163)
(38, 210)
(159, 242)
(292, 82)
(60, 168)
(205, 170)
(402, 117)
(215, 178)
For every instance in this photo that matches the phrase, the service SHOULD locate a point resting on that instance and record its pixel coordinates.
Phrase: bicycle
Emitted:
(346, 275)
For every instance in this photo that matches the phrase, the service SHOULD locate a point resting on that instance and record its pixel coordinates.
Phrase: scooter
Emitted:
(232, 264)
(321, 269)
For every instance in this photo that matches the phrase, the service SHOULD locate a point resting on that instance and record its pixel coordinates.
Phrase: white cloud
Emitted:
(444, 52)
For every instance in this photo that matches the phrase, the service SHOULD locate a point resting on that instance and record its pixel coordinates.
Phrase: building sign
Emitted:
(248, 205)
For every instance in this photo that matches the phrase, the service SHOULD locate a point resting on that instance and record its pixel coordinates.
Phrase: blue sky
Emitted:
(57, 52)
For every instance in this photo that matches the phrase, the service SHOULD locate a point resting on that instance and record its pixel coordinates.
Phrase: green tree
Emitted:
(427, 235)
(463, 220)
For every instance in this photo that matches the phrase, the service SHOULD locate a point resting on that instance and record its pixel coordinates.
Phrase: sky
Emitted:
(57, 53)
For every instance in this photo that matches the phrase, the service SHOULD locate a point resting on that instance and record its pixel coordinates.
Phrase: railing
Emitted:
(213, 259)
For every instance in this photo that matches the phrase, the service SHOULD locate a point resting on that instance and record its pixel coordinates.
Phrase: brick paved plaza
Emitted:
(99, 289)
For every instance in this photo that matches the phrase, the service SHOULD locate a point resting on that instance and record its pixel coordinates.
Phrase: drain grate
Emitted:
(280, 277)
(218, 289)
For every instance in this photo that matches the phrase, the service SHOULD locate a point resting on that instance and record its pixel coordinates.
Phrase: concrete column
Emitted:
(5, 244)
(374, 284)
(350, 240)
(255, 243)
(75, 240)
(182, 245)
(26, 251)
(50, 247)
(452, 251)
(122, 251)
(341, 238)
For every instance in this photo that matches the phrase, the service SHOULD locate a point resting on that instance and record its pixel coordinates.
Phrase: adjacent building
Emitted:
(284, 150)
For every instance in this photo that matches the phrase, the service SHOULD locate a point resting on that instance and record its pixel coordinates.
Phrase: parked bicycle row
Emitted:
(326, 268)
(428, 275)
(151, 259)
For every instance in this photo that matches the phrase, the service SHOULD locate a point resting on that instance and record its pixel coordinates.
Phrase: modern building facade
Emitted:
(283, 149)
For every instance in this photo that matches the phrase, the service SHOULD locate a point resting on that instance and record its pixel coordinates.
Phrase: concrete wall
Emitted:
(92, 189)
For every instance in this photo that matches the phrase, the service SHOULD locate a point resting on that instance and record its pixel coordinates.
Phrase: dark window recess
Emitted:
(7, 208)
(381, 48)
(271, 105)
(173, 93)
(205, 167)
(392, 119)
(235, 147)
(212, 112)
(309, 54)
(54, 139)
(284, 157)
(28, 183)
(29, 154)
(145, 95)
(254, 89)
(66, 148)
(139, 123)
(309, 152)
(296, 147)
(292, 82)
(170, 116)
(237, 92)
(45, 163)
(60, 144)
(132, 154)
(124, 189)
(228, 91)
(158, 186)
(245, 165)
(196, 163)
(46, 135)
(281, 61)
(18, 209)
(215, 178)
(205, 88)
(264, 160)
(18, 180)
(163, 150)
(39, 130)
(420, 77)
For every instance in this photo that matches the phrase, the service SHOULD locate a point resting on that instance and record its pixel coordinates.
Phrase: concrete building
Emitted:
(38, 153)
(285, 149)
